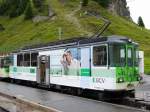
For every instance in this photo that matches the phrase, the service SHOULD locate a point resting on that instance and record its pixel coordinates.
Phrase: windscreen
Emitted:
(136, 56)
(117, 55)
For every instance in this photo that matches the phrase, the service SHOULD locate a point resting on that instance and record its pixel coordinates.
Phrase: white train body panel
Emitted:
(23, 73)
(85, 82)
(141, 62)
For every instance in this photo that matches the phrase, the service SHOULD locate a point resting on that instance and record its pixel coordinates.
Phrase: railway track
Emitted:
(133, 102)
(61, 101)
(3, 110)
(138, 100)
(130, 101)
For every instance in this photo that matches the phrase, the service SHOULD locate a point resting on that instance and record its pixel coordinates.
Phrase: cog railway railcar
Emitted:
(99, 64)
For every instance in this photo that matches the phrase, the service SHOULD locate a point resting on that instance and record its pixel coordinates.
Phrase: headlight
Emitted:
(121, 79)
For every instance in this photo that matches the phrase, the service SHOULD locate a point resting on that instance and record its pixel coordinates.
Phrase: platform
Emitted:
(142, 92)
(62, 102)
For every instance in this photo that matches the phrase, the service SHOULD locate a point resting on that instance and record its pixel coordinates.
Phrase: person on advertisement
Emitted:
(71, 66)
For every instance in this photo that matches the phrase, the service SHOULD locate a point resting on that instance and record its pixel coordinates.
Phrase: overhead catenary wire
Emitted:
(102, 28)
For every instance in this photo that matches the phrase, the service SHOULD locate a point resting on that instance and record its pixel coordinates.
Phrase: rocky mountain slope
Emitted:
(74, 21)
(120, 8)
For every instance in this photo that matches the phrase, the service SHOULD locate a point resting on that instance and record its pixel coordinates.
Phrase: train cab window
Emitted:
(99, 56)
(117, 55)
(130, 57)
(136, 60)
(34, 59)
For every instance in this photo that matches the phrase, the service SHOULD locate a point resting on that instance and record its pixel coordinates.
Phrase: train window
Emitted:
(117, 55)
(20, 60)
(122, 53)
(136, 56)
(99, 56)
(27, 59)
(136, 60)
(34, 59)
(6, 61)
(129, 53)
(1, 62)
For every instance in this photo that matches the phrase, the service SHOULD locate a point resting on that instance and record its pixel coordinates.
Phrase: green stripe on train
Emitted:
(23, 69)
(4, 72)
(104, 72)
(85, 72)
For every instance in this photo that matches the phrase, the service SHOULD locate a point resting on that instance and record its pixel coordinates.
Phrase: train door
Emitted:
(130, 63)
(85, 67)
(85, 62)
(43, 76)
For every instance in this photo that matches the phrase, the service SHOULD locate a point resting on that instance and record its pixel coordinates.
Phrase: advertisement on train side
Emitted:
(67, 62)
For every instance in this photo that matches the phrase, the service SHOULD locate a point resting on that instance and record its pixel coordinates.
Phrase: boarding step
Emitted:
(43, 85)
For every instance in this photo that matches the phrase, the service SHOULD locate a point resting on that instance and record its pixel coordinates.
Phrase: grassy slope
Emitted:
(20, 33)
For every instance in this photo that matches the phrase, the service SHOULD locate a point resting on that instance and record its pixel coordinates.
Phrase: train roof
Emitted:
(78, 42)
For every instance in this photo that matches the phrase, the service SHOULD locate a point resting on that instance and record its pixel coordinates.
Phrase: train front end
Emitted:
(123, 56)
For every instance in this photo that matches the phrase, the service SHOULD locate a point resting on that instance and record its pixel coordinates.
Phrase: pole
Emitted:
(60, 33)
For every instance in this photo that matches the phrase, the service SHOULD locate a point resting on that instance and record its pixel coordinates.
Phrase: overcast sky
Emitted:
(140, 8)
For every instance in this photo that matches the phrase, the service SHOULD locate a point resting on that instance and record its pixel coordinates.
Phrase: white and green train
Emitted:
(101, 64)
